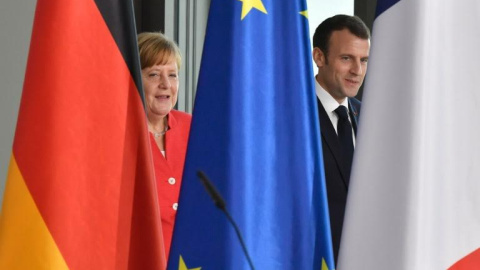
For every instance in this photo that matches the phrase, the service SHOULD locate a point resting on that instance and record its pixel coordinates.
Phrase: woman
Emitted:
(160, 59)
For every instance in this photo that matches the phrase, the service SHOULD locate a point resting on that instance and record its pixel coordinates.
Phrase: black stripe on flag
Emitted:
(124, 32)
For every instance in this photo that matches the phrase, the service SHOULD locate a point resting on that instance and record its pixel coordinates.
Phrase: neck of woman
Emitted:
(157, 125)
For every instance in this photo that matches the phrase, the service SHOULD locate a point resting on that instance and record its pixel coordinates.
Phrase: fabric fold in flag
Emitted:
(80, 193)
(255, 133)
(413, 201)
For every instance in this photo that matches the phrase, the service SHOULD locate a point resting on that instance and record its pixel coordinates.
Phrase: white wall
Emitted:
(16, 20)
(319, 10)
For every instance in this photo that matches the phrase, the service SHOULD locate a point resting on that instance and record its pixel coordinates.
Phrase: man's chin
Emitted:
(352, 93)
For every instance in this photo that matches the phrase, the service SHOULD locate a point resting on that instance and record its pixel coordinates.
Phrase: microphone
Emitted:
(220, 203)
(212, 191)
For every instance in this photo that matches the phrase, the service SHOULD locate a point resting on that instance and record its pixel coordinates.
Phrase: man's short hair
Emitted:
(321, 38)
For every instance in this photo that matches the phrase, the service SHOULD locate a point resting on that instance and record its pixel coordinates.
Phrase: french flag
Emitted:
(414, 199)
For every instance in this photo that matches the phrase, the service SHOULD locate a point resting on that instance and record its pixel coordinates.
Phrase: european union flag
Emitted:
(255, 133)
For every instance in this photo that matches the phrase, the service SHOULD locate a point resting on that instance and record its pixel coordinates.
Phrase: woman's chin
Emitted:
(160, 112)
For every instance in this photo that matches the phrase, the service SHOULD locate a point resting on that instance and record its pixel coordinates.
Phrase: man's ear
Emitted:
(318, 57)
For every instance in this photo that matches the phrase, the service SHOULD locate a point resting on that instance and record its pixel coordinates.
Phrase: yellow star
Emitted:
(304, 13)
(249, 4)
(183, 266)
(324, 265)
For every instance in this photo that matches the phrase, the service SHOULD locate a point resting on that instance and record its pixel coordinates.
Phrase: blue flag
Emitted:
(255, 133)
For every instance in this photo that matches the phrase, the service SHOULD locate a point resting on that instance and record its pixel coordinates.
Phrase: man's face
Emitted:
(343, 73)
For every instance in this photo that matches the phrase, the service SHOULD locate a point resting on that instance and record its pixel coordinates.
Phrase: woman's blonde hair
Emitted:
(156, 49)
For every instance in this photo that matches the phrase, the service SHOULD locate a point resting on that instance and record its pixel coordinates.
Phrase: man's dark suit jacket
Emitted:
(337, 173)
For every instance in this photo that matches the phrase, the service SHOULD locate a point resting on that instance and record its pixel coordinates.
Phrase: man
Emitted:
(341, 48)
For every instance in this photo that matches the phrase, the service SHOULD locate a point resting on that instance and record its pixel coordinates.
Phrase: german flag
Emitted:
(80, 192)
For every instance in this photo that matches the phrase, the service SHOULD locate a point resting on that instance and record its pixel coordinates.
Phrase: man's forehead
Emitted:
(345, 40)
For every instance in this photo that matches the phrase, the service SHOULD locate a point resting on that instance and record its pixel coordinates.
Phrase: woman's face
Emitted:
(160, 83)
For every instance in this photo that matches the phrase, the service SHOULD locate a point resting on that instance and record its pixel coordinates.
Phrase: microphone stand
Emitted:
(220, 203)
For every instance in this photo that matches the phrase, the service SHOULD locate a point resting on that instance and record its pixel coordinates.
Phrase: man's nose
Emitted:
(357, 68)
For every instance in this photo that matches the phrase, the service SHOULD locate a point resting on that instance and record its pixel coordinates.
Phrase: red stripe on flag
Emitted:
(82, 144)
(469, 262)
